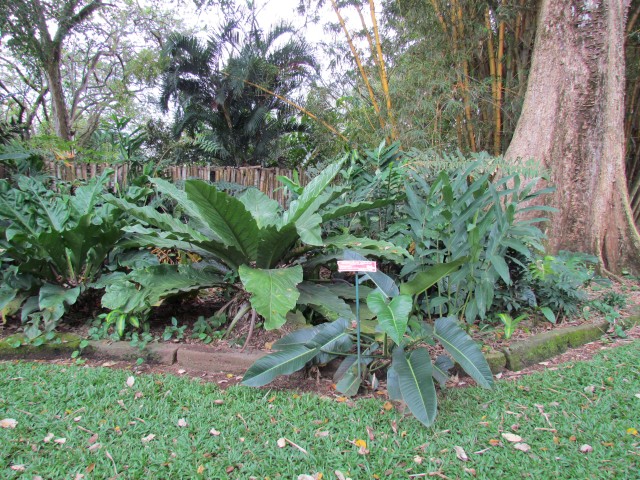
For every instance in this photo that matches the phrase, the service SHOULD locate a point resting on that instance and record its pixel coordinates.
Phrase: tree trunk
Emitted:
(572, 124)
(59, 111)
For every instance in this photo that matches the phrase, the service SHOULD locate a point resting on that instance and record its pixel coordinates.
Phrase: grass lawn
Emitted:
(88, 421)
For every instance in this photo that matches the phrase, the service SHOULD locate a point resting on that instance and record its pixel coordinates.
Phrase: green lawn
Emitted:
(103, 422)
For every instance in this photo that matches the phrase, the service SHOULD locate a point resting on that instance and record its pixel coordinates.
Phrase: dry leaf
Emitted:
(556, 440)
(92, 439)
(77, 419)
(121, 403)
(306, 477)
(510, 437)
(523, 447)
(590, 389)
(632, 431)
(182, 371)
(218, 402)
(586, 448)
(494, 441)
(387, 406)
(182, 422)
(360, 443)
(230, 469)
(200, 470)
(340, 475)
(79, 476)
(322, 434)
(48, 438)
(18, 468)
(9, 423)
(470, 471)
(108, 364)
(138, 395)
(94, 447)
(572, 438)
(370, 433)
(148, 438)
(281, 443)
(461, 454)
(214, 432)
(418, 459)
(90, 467)
(130, 381)
(60, 441)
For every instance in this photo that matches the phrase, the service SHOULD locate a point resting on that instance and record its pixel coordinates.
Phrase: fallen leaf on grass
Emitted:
(510, 437)
(121, 403)
(418, 459)
(94, 447)
(572, 438)
(18, 468)
(494, 442)
(281, 443)
(182, 423)
(370, 433)
(48, 438)
(90, 467)
(586, 448)
(218, 402)
(470, 471)
(632, 431)
(360, 443)
(200, 470)
(387, 406)
(60, 441)
(92, 439)
(182, 371)
(148, 438)
(523, 447)
(131, 381)
(214, 432)
(461, 454)
(322, 434)
(8, 423)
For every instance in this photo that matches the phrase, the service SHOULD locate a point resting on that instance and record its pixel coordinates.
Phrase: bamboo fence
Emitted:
(265, 179)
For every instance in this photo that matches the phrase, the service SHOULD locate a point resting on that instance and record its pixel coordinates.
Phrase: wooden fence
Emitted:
(264, 179)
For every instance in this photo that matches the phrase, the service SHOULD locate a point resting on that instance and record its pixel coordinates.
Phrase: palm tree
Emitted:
(220, 89)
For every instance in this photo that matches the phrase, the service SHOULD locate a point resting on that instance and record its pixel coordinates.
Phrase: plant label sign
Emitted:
(356, 266)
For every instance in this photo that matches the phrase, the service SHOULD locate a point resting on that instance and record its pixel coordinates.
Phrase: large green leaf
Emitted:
(416, 383)
(296, 338)
(463, 349)
(87, 196)
(53, 298)
(367, 246)
(385, 283)
(312, 191)
(393, 317)
(226, 216)
(351, 208)
(163, 221)
(274, 244)
(263, 209)
(282, 362)
(423, 280)
(157, 282)
(273, 292)
(322, 296)
(331, 337)
(350, 382)
(309, 230)
(393, 384)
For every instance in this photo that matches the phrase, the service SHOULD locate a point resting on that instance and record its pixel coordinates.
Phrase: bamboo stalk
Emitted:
(497, 134)
(356, 57)
(492, 70)
(383, 71)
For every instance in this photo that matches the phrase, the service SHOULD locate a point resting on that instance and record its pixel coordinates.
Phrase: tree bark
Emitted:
(572, 124)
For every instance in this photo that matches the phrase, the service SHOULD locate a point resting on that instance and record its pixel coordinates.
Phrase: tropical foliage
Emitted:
(229, 92)
(395, 340)
(250, 238)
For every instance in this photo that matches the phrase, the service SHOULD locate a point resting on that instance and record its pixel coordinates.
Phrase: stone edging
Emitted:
(518, 355)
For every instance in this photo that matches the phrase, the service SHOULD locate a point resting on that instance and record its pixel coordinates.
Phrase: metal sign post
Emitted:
(357, 266)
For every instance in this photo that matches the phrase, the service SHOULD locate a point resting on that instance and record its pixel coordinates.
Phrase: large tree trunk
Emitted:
(572, 123)
(59, 111)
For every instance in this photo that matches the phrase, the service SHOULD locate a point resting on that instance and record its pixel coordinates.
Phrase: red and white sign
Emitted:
(356, 266)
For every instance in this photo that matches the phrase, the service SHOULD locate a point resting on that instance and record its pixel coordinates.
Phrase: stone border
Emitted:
(518, 355)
